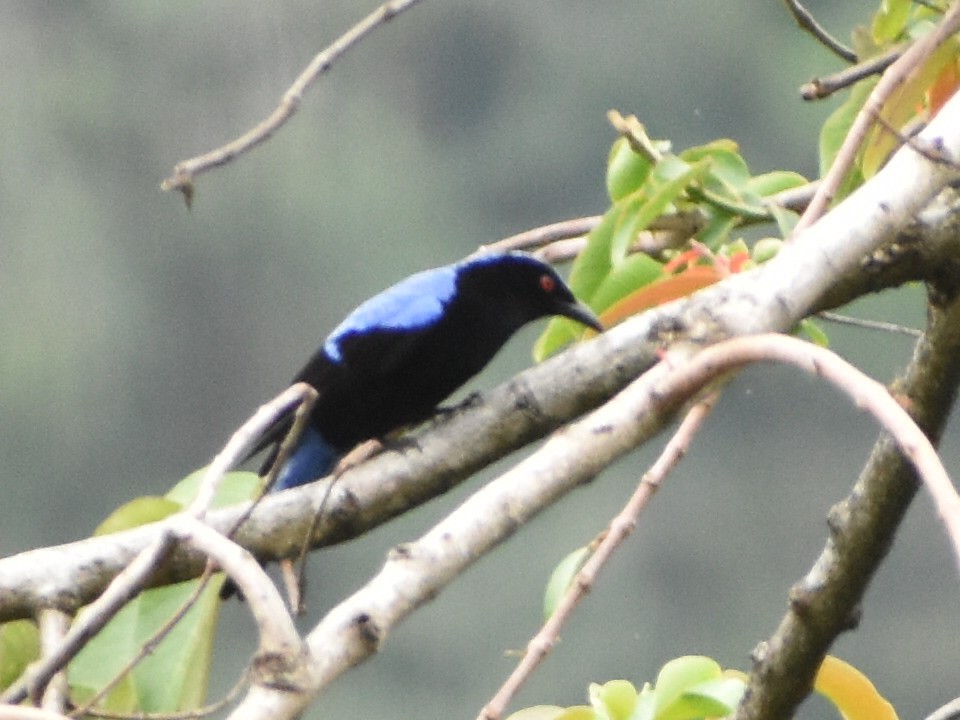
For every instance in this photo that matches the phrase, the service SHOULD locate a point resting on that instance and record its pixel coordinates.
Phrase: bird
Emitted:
(398, 355)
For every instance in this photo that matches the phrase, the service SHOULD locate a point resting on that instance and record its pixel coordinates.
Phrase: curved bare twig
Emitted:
(186, 171)
(823, 87)
(808, 22)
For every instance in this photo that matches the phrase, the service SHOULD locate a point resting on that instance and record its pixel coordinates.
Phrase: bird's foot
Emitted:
(359, 455)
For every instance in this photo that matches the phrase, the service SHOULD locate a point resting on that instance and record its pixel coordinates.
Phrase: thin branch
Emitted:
(629, 127)
(562, 241)
(184, 172)
(278, 633)
(825, 86)
(544, 235)
(866, 324)
(201, 712)
(54, 625)
(296, 585)
(300, 396)
(907, 137)
(796, 198)
(564, 251)
(665, 233)
(620, 528)
(809, 23)
(893, 78)
(303, 396)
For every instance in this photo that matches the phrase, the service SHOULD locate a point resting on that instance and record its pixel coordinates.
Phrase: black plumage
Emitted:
(399, 354)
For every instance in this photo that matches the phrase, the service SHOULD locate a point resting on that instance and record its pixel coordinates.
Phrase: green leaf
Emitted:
(121, 699)
(645, 705)
(692, 707)
(926, 20)
(890, 21)
(538, 712)
(19, 646)
(235, 487)
(765, 248)
(578, 712)
(693, 687)
(900, 108)
(677, 677)
(737, 247)
(139, 511)
(173, 677)
(626, 170)
(589, 269)
(635, 272)
(561, 578)
(670, 178)
(861, 40)
(593, 262)
(813, 332)
(614, 700)
(728, 170)
(774, 182)
(727, 185)
(718, 228)
(718, 149)
(724, 694)
(560, 332)
(786, 220)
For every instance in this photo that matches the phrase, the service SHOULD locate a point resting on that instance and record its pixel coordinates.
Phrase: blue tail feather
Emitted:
(313, 458)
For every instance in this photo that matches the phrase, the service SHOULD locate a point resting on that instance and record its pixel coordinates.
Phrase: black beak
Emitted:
(582, 314)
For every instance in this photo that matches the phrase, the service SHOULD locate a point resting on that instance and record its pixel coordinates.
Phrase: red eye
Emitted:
(548, 284)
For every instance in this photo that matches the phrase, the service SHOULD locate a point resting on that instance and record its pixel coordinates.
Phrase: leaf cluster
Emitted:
(708, 190)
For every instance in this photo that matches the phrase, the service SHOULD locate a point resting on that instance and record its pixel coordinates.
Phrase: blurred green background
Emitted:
(137, 334)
